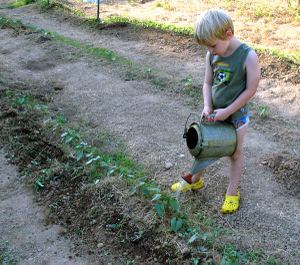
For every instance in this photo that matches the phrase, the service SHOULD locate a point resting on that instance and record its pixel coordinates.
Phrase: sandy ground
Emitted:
(151, 122)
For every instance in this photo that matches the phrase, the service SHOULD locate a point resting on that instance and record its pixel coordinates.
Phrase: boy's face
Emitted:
(218, 47)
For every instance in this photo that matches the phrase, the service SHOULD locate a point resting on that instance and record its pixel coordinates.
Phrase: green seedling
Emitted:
(263, 112)
(176, 224)
(39, 183)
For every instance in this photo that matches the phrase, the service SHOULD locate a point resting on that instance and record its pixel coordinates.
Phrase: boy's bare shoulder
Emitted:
(252, 69)
(252, 58)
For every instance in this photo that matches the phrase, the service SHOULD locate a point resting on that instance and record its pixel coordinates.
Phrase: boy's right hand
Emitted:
(206, 114)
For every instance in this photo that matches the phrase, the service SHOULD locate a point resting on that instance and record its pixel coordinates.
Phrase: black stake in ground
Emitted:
(98, 10)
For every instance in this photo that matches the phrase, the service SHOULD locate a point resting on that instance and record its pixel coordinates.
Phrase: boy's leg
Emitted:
(236, 163)
(232, 198)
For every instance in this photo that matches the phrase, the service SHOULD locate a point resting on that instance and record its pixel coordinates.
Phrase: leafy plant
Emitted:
(165, 4)
(263, 111)
(39, 183)
(188, 81)
(263, 11)
(19, 3)
(253, 255)
(176, 224)
(160, 210)
(21, 101)
(232, 256)
(195, 261)
(6, 256)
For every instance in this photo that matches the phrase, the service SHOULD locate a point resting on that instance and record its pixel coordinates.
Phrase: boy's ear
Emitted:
(229, 33)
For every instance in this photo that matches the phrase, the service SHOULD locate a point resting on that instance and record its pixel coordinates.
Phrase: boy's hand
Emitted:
(206, 112)
(221, 114)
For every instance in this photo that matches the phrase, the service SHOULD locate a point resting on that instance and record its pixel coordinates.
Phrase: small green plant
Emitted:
(176, 224)
(188, 81)
(148, 72)
(39, 183)
(5, 254)
(195, 261)
(19, 3)
(263, 11)
(44, 4)
(273, 261)
(263, 111)
(110, 55)
(165, 4)
(58, 122)
(230, 256)
(21, 101)
(253, 255)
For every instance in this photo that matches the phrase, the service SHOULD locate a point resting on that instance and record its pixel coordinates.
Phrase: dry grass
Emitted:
(273, 24)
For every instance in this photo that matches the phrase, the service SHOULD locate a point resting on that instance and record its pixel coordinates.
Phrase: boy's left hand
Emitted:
(221, 114)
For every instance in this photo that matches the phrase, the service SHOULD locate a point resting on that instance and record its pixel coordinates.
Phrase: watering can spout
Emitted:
(201, 163)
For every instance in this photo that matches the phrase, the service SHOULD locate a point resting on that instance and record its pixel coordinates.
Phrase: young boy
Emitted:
(231, 79)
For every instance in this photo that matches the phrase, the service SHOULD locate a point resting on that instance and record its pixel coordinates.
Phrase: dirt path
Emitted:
(151, 122)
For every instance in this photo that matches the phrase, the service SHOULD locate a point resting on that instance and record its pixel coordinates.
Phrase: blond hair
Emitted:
(212, 25)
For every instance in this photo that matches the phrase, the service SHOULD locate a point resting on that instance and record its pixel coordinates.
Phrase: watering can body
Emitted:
(209, 141)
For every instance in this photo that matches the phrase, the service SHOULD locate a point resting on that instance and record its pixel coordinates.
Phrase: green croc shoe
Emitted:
(184, 186)
(231, 203)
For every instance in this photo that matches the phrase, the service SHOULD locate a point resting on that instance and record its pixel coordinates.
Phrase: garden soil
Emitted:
(151, 121)
(24, 234)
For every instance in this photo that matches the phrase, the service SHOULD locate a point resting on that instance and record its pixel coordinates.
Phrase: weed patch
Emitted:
(20, 3)
(6, 256)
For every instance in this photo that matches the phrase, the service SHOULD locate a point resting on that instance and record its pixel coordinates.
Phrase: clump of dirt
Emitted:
(286, 171)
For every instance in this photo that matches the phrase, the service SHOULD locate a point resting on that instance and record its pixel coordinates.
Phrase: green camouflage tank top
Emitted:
(229, 79)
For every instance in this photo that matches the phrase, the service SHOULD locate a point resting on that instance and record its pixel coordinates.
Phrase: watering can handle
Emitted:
(200, 121)
(185, 128)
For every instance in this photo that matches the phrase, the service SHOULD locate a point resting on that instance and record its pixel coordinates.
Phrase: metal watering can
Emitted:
(209, 141)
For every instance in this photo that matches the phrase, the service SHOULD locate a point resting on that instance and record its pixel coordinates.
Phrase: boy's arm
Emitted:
(206, 90)
(253, 76)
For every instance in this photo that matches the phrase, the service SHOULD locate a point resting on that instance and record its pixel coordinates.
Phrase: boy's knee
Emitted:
(237, 154)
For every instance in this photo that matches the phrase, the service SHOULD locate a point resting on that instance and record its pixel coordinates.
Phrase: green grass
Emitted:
(15, 25)
(20, 3)
(165, 27)
(291, 56)
(6, 256)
